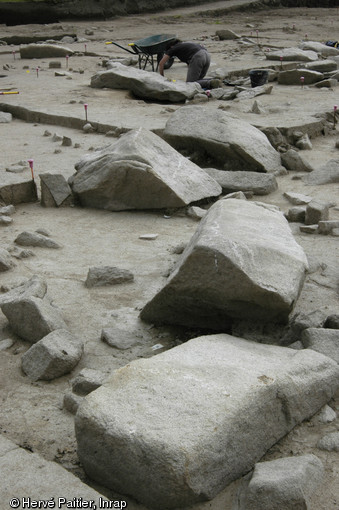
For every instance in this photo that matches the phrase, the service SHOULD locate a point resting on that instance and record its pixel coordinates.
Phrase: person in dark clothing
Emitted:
(195, 56)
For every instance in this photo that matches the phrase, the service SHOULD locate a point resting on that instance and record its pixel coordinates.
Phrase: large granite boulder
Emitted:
(322, 49)
(177, 428)
(242, 262)
(144, 84)
(44, 51)
(140, 171)
(226, 142)
(292, 54)
(294, 77)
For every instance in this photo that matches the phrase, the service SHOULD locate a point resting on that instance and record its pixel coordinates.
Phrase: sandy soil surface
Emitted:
(32, 414)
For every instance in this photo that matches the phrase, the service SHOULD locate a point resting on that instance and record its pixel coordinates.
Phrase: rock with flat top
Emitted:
(53, 356)
(189, 421)
(227, 142)
(288, 483)
(322, 340)
(140, 171)
(242, 262)
(292, 54)
(44, 51)
(255, 182)
(55, 191)
(144, 84)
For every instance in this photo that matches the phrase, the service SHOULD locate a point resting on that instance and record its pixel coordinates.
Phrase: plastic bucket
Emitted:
(258, 77)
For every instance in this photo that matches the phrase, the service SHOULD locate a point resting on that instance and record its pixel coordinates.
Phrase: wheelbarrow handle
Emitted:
(122, 47)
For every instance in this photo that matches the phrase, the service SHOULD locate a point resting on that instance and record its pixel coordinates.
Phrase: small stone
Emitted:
(43, 232)
(7, 210)
(87, 381)
(296, 214)
(106, 275)
(6, 262)
(21, 254)
(330, 442)
(315, 212)
(77, 146)
(34, 239)
(177, 250)
(57, 151)
(309, 229)
(54, 64)
(56, 138)
(72, 402)
(196, 213)
(332, 322)
(297, 198)
(66, 141)
(47, 133)
(118, 338)
(327, 415)
(5, 220)
(6, 344)
(304, 143)
(326, 227)
(88, 128)
(148, 237)
(239, 195)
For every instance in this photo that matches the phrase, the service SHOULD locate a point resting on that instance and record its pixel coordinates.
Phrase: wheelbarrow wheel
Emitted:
(169, 62)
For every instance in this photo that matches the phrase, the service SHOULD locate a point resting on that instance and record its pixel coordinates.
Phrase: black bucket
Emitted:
(258, 77)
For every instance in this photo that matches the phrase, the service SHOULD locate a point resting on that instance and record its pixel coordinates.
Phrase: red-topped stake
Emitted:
(30, 161)
(86, 106)
(302, 81)
(37, 72)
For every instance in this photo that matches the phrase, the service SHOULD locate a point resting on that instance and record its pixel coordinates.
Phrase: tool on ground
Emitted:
(9, 92)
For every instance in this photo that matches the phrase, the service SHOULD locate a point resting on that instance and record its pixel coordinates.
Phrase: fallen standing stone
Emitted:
(44, 51)
(55, 191)
(257, 183)
(230, 143)
(252, 268)
(201, 388)
(140, 171)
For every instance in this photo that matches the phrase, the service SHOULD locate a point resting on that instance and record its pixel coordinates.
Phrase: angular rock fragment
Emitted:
(242, 262)
(327, 226)
(286, 483)
(34, 287)
(332, 322)
(322, 340)
(315, 212)
(226, 35)
(5, 220)
(189, 421)
(292, 160)
(257, 183)
(32, 318)
(16, 189)
(71, 402)
(296, 214)
(144, 84)
(6, 262)
(322, 66)
(327, 173)
(55, 191)
(229, 143)
(7, 210)
(118, 338)
(5, 117)
(297, 198)
(53, 356)
(87, 381)
(35, 239)
(329, 442)
(44, 51)
(140, 171)
(107, 275)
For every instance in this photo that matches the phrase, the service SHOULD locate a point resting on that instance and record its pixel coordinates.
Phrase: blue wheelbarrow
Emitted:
(148, 48)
